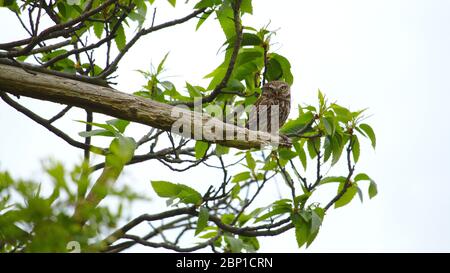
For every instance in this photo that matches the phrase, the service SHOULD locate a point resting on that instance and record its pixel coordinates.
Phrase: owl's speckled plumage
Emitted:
(273, 93)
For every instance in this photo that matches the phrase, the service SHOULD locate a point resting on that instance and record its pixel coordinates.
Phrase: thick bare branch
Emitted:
(111, 102)
(35, 68)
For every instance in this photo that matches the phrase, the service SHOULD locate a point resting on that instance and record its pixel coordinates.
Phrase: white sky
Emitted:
(391, 56)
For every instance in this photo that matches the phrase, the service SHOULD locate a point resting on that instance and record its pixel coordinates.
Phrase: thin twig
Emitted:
(47, 125)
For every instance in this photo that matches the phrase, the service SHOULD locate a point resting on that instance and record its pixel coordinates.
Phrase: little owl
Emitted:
(273, 93)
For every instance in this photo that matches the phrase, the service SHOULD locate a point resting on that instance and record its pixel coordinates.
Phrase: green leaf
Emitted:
(250, 161)
(360, 194)
(329, 125)
(286, 154)
(209, 235)
(218, 242)
(222, 150)
(202, 222)
(119, 124)
(165, 189)
(285, 67)
(302, 229)
(332, 179)
(11, 4)
(201, 148)
(141, 10)
(355, 149)
(251, 244)
(234, 85)
(362, 176)
(271, 214)
(360, 131)
(321, 98)
(274, 70)
(172, 2)
(80, 175)
(62, 10)
(236, 245)
(313, 145)
(120, 38)
(241, 177)
(202, 19)
(301, 235)
(248, 69)
(247, 55)
(225, 16)
(370, 133)
(193, 91)
(297, 125)
(283, 203)
(186, 194)
(98, 29)
(343, 114)
(270, 165)
(311, 238)
(206, 4)
(347, 197)
(373, 189)
(134, 16)
(96, 132)
(319, 213)
(235, 191)
(217, 76)
(100, 125)
(57, 172)
(301, 154)
(161, 64)
(227, 218)
(337, 145)
(316, 222)
(246, 6)
(248, 39)
(123, 148)
(244, 218)
(22, 58)
(301, 199)
(327, 148)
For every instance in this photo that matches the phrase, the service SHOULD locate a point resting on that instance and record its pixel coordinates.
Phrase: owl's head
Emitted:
(276, 87)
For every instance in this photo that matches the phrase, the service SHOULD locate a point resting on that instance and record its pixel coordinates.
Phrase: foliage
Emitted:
(224, 217)
(36, 216)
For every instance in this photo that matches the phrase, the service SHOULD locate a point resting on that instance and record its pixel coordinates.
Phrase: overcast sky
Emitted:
(389, 55)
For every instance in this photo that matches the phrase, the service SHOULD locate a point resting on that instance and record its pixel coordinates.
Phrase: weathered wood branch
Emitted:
(121, 105)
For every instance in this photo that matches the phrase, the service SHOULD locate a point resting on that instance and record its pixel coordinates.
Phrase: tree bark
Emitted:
(109, 101)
